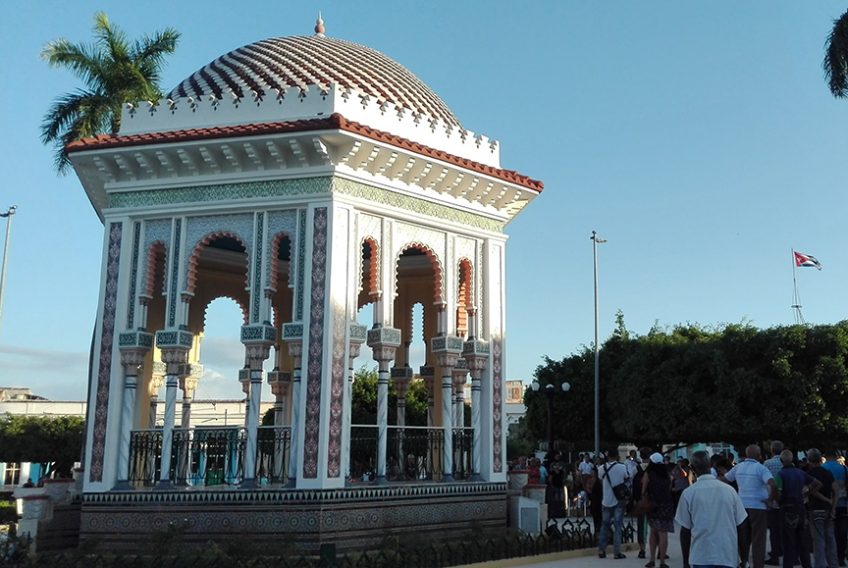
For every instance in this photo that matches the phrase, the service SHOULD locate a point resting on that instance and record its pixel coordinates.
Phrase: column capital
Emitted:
(427, 374)
(401, 376)
(476, 354)
(358, 334)
(280, 383)
(188, 383)
(174, 345)
(447, 349)
(134, 346)
(258, 339)
(293, 338)
(384, 342)
(460, 372)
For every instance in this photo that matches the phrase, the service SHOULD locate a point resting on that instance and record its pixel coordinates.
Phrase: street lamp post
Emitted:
(8, 215)
(550, 392)
(596, 240)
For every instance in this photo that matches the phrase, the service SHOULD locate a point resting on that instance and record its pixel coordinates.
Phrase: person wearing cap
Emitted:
(656, 484)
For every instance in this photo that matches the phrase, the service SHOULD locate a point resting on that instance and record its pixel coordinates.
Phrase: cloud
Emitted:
(54, 374)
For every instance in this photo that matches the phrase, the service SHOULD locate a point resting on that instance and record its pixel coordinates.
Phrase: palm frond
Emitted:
(63, 113)
(82, 60)
(836, 57)
(151, 50)
(111, 38)
(115, 73)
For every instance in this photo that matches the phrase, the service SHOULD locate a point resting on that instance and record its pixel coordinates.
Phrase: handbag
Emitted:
(621, 491)
(644, 506)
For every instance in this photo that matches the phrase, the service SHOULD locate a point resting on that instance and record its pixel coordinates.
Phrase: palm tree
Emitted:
(114, 72)
(836, 57)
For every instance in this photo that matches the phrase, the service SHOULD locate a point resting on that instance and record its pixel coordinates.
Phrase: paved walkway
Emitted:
(589, 558)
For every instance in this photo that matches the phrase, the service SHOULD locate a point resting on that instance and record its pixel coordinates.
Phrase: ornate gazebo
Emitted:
(305, 178)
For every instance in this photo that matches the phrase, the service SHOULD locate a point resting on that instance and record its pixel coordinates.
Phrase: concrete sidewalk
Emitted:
(588, 558)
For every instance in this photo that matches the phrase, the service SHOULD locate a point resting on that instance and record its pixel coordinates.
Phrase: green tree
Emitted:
(836, 57)
(44, 440)
(364, 400)
(115, 71)
(735, 384)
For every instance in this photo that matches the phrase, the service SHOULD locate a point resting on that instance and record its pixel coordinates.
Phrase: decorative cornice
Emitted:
(308, 496)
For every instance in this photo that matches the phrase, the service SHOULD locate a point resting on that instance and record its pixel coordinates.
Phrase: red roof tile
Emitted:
(334, 121)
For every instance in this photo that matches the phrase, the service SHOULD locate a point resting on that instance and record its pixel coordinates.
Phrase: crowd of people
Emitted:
(748, 512)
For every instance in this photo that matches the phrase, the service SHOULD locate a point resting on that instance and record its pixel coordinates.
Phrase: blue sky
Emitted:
(698, 138)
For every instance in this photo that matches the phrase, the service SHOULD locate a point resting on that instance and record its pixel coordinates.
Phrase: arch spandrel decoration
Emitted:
(279, 222)
(433, 243)
(199, 229)
(191, 271)
(368, 227)
(372, 286)
(155, 254)
(155, 231)
(438, 269)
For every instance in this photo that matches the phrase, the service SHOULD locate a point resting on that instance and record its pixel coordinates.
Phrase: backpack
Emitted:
(621, 491)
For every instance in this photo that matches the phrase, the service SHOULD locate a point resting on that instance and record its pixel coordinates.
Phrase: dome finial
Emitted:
(319, 25)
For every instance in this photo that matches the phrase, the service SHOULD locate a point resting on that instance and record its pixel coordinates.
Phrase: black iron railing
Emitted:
(413, 453)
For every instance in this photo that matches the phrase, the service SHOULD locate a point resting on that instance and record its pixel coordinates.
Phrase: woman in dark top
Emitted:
(597, 496)
(657, 485)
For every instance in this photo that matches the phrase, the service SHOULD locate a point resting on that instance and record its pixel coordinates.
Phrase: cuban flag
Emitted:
(807, 260)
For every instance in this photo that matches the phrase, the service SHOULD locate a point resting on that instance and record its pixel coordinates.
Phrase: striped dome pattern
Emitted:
(267, 67)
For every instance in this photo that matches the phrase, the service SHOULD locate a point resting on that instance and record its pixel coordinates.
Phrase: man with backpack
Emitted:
(616, 493)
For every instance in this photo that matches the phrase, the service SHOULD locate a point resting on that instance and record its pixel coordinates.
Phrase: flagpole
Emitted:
(8, 215)
(796, 298)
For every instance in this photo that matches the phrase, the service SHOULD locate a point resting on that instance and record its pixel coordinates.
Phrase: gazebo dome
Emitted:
(266, 68)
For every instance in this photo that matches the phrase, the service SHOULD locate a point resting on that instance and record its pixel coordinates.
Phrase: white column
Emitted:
(384, 342)
(447, 348)
(447, 426)
(382, 418)
(171, 383)
(131, 359)
(357, 334)
(252, 421)
(293, 336)
(476, 353)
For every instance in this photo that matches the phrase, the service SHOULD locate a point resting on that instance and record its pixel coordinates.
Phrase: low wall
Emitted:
(355, 518)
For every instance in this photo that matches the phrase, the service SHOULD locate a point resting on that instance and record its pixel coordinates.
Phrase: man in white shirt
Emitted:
(612, 474)
(710, 515)
(756, 487)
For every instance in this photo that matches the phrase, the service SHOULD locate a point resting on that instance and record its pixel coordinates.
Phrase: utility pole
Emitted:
(8, 215)
(596, 240)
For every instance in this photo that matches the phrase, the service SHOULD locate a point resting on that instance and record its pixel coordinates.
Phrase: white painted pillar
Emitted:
(131, 359)
(171, 383)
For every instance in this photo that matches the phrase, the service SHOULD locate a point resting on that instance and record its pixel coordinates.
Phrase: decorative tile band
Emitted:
(175, 270)
(415, 205)
(497, 383)
(301, 264)
(300, 187)
(306, 496)
(314, 370)
(256, 294)
(174, 338)
(220, 192)
(136, 339)
(334, 449)
(133, 275)
(104, 371)
(292, 330)
(258, 332)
